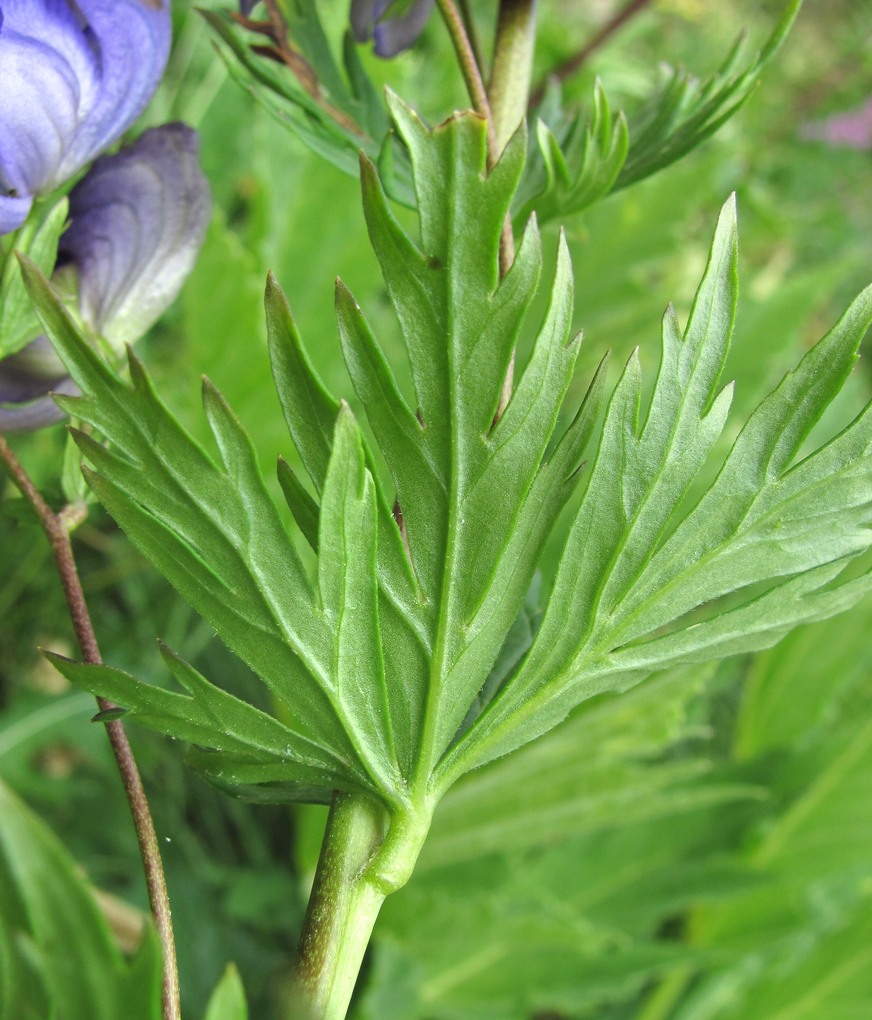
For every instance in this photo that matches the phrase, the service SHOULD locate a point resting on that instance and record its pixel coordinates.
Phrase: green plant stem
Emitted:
(57, 528)
(508, 95)
(362, 861)
(509, 88)
(469, 22)
(471, 72)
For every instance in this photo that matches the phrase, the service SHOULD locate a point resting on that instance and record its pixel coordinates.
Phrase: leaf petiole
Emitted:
(365, 856)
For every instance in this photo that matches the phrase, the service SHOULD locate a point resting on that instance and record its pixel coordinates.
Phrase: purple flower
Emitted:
(74, 75)
(137, 221)
(852, 130)
(391, 32)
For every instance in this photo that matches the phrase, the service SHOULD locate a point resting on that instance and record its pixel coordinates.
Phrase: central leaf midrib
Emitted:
(438, 666)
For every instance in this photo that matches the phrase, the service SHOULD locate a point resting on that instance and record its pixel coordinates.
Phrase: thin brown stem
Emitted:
(469, 21)
(57, 530)
(577, 60)
(281, 51)
(471, 72)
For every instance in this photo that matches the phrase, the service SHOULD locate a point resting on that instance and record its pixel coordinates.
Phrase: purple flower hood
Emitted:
(74, 75)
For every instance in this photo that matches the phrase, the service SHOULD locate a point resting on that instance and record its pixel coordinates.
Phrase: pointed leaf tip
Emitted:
(343, 297)
(345, 416)
(109, 714)
(56, 657)
(406, 119)
(273, 291)
(728, 219)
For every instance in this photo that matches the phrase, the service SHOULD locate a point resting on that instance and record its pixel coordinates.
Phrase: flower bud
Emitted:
(137, 222)
(391, 32)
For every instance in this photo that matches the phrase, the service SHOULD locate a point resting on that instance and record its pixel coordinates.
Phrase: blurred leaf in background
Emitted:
(57, 954)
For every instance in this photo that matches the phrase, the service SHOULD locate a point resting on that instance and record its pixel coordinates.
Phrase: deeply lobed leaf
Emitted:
(631, 572)
(468, 489)
(398, 668)
(215, 532)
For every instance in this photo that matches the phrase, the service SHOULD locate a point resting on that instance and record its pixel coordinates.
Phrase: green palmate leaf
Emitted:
(631, 567)
(379, 663)
(57, 955)
(411, 656)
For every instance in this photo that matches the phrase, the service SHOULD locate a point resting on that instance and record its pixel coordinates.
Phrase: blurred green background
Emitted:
(700, 847)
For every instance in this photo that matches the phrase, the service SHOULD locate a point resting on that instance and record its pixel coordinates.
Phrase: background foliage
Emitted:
(688, 851)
